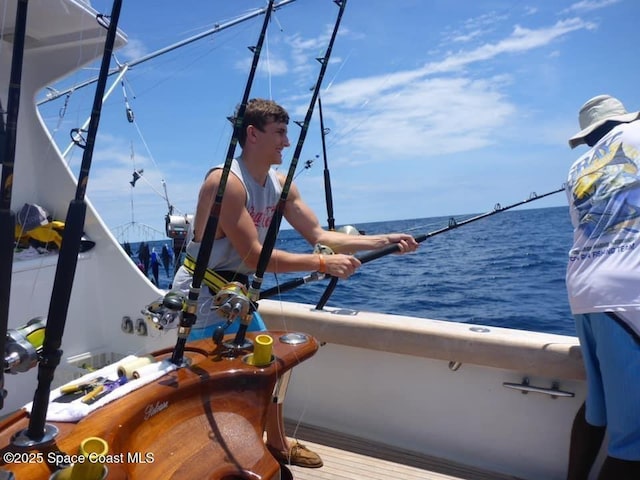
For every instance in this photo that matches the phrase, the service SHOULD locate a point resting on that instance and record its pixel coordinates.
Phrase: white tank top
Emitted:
(261, 204)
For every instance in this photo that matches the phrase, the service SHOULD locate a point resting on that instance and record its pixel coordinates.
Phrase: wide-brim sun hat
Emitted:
(598, 110)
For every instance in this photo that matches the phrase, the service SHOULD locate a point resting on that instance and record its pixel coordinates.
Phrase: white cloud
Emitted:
(587, 5)
(133, 50)
(427, 118)
(355, 92)
(424, 112)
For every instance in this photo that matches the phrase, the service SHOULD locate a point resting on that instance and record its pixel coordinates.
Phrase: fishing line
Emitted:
(208, 236)
(327, 187)
(274, 225)
(375, 254)
(146, 146)
(339, 136)
(53, 93)
(68, 256)
(131, 118)
(307, 165)
(365, 257)
(217, 28)
(366, 103)
(342, 64)
(327, 176)
(138, 173)
(269, 72)
(132, 183)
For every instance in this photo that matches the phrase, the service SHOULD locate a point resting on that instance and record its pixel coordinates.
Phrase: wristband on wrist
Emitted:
(322, 268)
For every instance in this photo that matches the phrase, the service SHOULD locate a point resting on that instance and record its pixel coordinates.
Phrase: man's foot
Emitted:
(298, 454)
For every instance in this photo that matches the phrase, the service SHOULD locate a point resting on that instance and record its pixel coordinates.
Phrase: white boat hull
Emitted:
(394, 380)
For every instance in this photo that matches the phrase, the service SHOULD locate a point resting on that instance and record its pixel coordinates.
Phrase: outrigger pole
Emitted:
(274, 226)
(381, 252)
(217, 28)
(208, 236)
(374, 254)
(38, 431)
(8, 140)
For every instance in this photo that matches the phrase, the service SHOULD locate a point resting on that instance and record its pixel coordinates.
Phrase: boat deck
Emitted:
(350, 458)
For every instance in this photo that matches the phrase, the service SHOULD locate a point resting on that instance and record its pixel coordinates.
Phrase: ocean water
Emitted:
(504, 270)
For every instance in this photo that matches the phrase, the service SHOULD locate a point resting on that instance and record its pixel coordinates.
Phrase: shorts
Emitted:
(207, 319)
(612, 362)
(256, 325)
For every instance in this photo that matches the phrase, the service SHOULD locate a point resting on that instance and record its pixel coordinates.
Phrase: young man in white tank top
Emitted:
(251, 194)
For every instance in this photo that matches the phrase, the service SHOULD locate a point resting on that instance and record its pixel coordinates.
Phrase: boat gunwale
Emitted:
(536, 353)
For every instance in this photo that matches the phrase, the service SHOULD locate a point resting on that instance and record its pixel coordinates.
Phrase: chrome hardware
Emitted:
(294, 338)
(141, 327)
(454, 366)
(164, 313)
(525, 388)
(127, 325)
(480, 329)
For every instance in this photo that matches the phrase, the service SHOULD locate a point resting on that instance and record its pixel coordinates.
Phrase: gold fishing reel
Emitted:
(232, 301)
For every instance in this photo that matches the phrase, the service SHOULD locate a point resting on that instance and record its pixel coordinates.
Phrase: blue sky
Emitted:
(435, 107)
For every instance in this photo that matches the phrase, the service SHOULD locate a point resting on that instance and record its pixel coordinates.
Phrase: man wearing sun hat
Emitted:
(603, 283)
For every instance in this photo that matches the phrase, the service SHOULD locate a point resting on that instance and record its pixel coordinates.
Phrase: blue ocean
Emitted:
(503, 270)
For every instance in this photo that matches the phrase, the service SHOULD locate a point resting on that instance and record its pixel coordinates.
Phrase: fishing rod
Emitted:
(374, 254)
(54, 94)
(331, 221)
(8, 140)
(453, 224)
(274, 225)
(208, 236)
(38, 431)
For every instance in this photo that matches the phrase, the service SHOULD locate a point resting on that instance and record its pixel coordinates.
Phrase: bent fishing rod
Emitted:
(453, 224)
(365, 257)
(208, 236)
(38, 431)
(8, 140)
(276, 220)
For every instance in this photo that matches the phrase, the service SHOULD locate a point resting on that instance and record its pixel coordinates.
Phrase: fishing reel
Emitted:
(322, 249)
(325, 250)
(23, 346)
(349, 230)
(232, 301)
(166, 312)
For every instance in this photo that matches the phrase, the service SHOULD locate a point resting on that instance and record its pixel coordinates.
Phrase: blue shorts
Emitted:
(612, 362)
(256, 325)
(207, 319)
